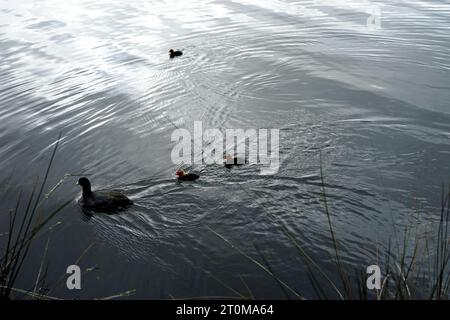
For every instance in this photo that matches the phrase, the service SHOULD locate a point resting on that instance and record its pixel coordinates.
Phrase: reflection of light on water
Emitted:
(378, 87)
(84, 48)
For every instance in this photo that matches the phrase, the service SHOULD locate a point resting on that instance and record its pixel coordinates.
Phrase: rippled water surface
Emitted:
(375, 101)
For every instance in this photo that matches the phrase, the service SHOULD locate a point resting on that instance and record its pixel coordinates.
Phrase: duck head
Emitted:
(85, 184)
(171, 51)
(180, 173)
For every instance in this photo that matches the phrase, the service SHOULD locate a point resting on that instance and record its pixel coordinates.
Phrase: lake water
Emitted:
(372, 97)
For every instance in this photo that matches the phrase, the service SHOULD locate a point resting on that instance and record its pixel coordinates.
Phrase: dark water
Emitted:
(375, 101)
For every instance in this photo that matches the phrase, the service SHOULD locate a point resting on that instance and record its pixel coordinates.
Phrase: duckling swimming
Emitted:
(102, 201)
(230, 161)
(175, 53)
(184, 176)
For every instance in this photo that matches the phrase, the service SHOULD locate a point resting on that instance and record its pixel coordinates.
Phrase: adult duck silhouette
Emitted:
(106, 201)
(175, 53)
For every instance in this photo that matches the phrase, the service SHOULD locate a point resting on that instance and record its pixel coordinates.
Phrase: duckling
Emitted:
(184, 176)
(230, 161)
(102, 201)
(175, 53)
